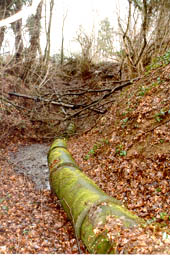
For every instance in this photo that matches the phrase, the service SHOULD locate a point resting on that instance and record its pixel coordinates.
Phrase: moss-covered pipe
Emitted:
(84, 201)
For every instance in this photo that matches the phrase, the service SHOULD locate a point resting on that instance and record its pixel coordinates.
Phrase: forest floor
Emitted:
(125, 150)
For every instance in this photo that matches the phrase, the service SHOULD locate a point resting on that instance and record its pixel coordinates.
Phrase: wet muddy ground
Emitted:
(31, 161)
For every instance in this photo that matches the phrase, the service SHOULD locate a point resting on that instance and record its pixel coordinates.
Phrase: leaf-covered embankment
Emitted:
(127, 154)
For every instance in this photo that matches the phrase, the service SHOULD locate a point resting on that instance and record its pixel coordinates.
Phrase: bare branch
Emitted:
(37, 98)
(144, 28)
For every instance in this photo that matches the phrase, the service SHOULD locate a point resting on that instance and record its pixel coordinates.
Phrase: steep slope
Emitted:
(127, 154)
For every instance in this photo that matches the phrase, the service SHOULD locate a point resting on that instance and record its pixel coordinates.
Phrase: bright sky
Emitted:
(87, 13)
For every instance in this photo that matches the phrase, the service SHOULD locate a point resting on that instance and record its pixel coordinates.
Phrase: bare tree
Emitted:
(48, 34)
(145, 37)
(17, 29)
(62, 39)
(86, 43)
(4, 13)
(34, 29)
(34, 25)
(8, 8)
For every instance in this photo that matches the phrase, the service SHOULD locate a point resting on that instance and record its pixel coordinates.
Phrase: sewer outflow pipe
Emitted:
(84, 202)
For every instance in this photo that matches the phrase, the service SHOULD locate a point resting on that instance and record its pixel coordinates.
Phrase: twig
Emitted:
(98, 110)
(44, 79)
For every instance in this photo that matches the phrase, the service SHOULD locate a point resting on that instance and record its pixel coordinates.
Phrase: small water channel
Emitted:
(31, 161)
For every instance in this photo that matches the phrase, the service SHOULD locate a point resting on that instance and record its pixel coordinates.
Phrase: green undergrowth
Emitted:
(98, 145)
(159, 61)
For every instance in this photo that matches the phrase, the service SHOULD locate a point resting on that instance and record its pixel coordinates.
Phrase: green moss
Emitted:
(84, 201)
(95, 243)
(59, 143)
(58, 157)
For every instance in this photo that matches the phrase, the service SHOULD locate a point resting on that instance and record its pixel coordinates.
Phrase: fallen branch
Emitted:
(37, 98)
(11, 103)
(102, 98)
(74, 106)
(98, 110)
(128, 82)
(78, 112)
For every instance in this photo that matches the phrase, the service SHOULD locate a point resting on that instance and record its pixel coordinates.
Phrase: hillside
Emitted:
(127, 153)
(125, 150)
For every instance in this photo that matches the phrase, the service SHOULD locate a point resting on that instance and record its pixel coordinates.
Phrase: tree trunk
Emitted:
(17, 29)
(85, 203)
(34, 29)
(2, 35)
(48, 34)
(4, 12)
